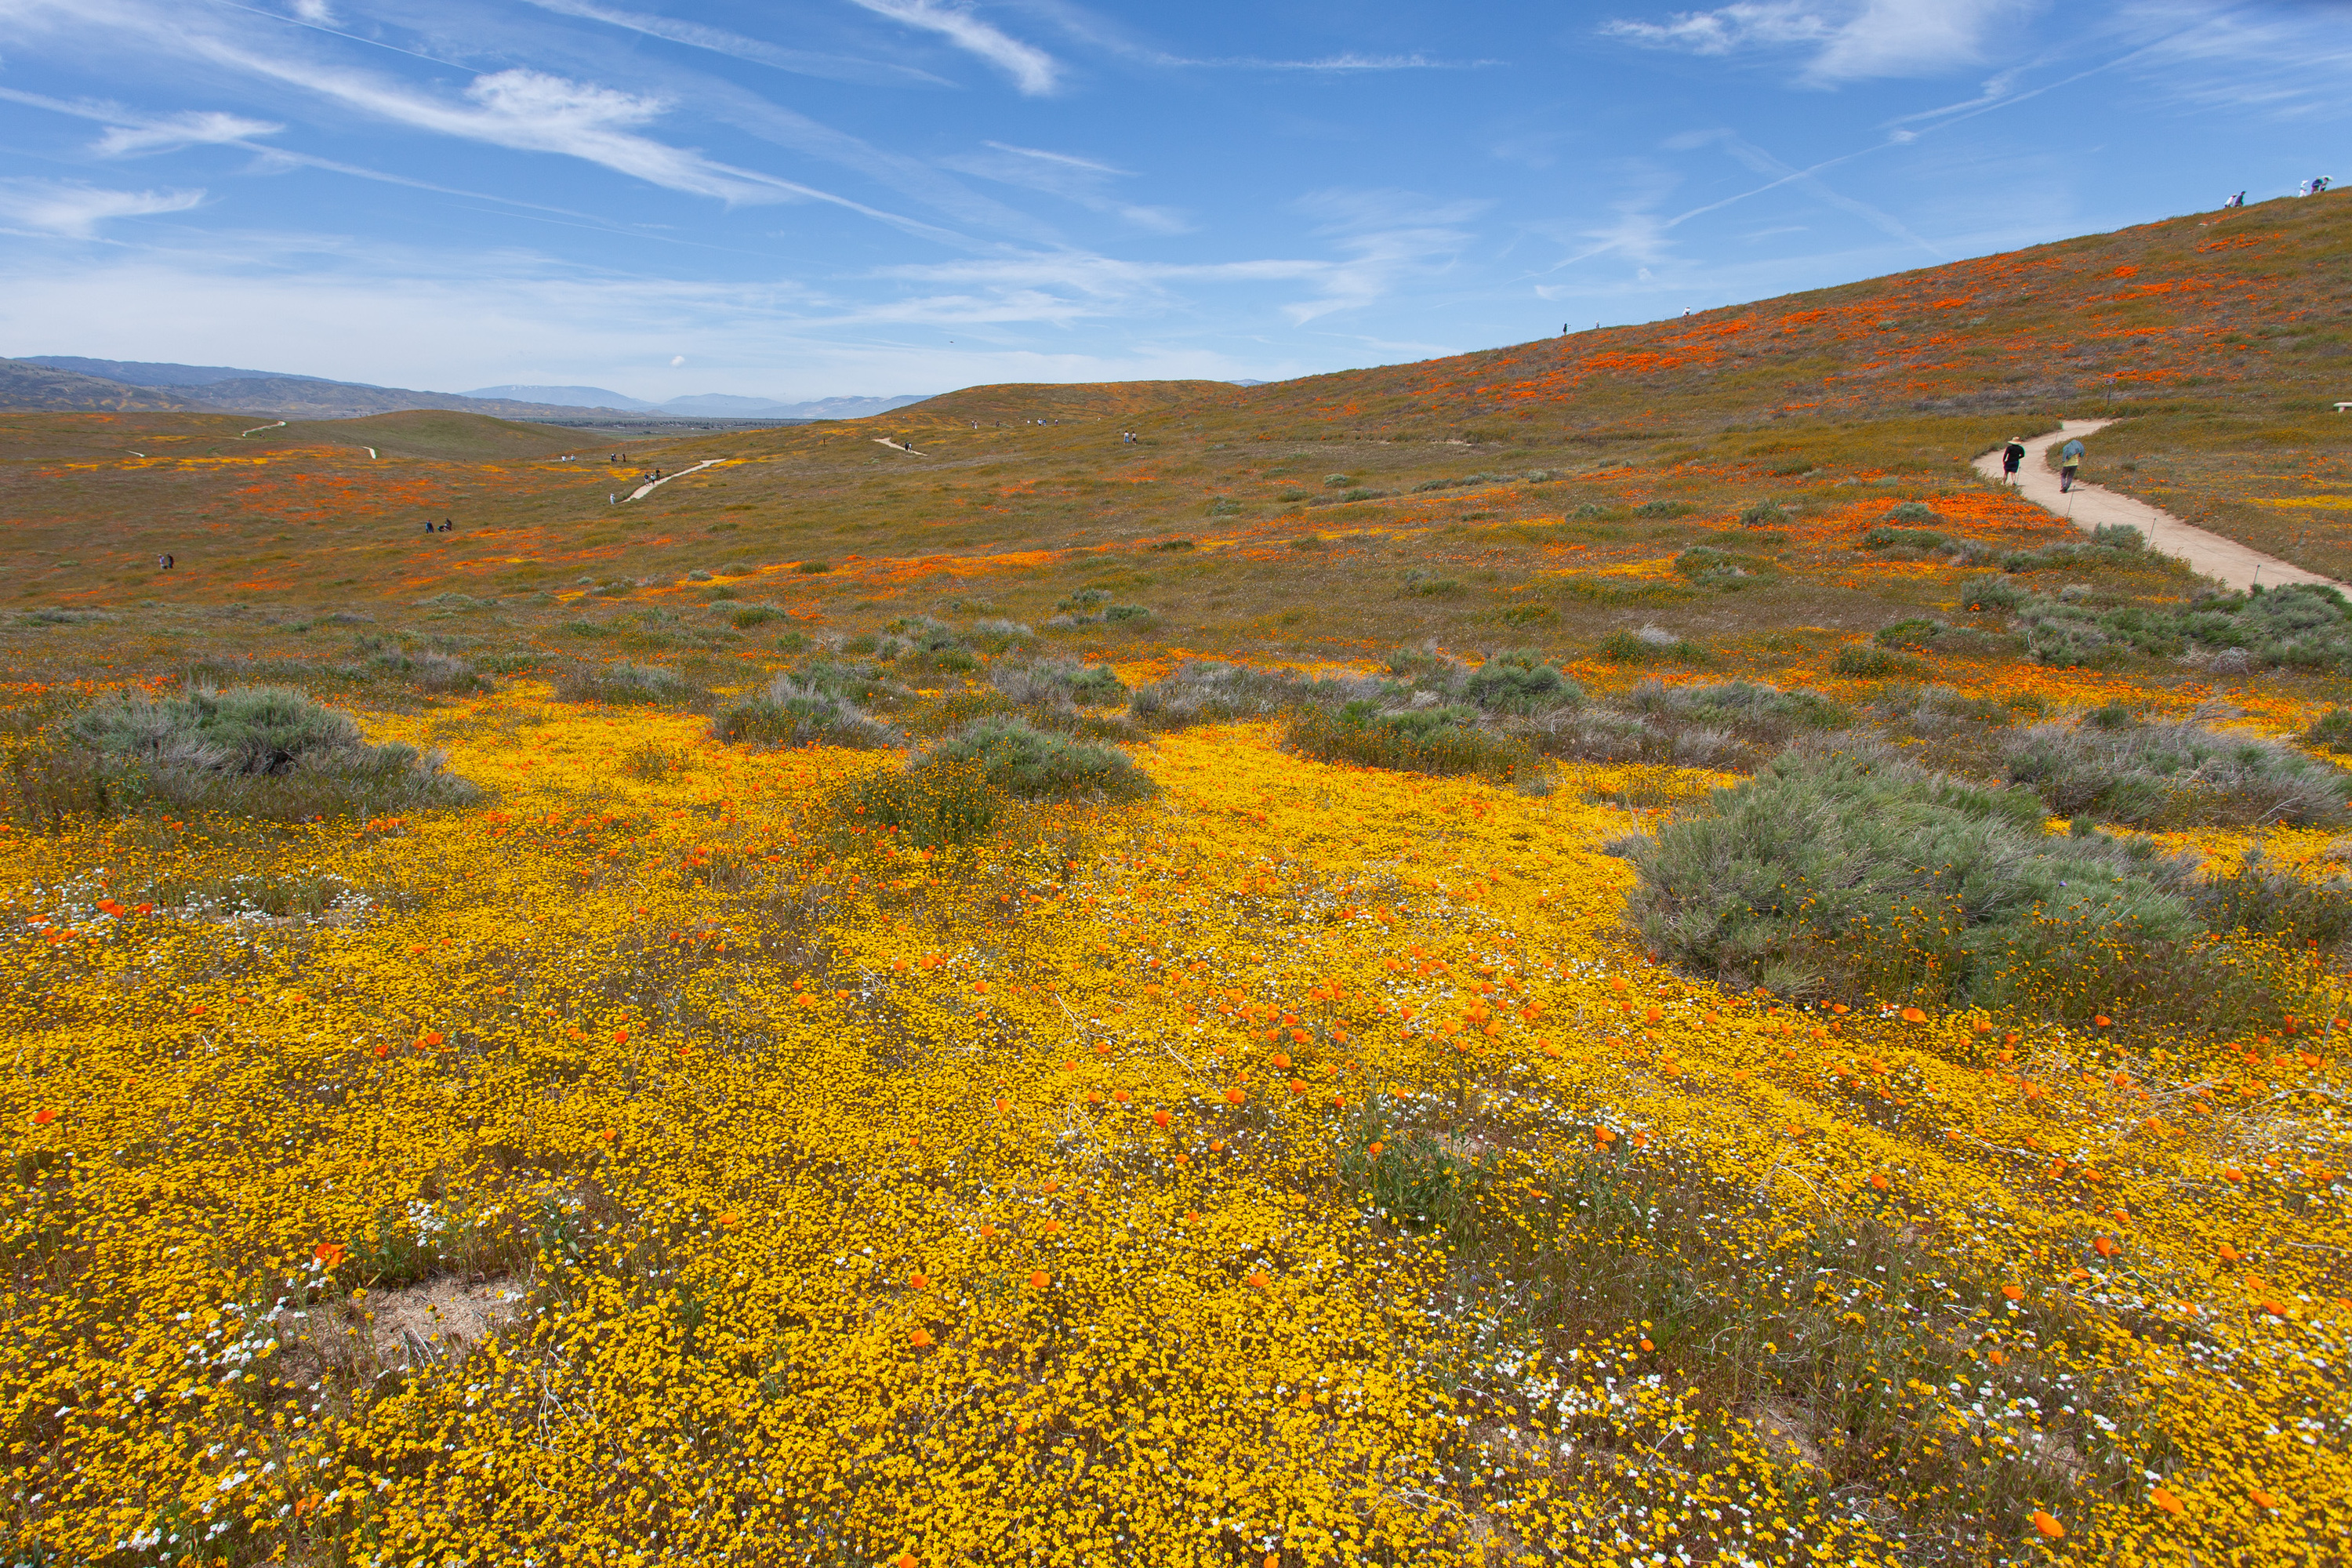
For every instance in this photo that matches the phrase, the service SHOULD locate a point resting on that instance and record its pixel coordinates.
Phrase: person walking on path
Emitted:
(2012, 456)
(2070, 457)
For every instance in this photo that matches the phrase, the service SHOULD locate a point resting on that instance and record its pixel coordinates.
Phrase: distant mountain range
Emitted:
(707, 404)
(72, 382)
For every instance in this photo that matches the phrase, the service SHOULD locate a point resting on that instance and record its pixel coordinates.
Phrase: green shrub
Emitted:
(1337, 482)
(793, 642)
(1085, 599)
(1429, 584)
(438, 672)
(1764, 514)
(623, 683)
(253, 730)
(810, 568)
(1913, 511)
(799, 714)
(745, 617)
(248, 750)
(1917, 634)
(1856, 874)
(2331, 731)
(1663, 508)
(1757, 711)
(995, 636)
(2175, 776)
(1520, 681)
(1032, 764)
(944, 808)
(1991, 591)
(1651, 645)
(1126, 612)
(1883, 538)
(1058, 682)
(2253, 897)
(1443, 740)
(1868, 663)
(1711, 568)
(1210, 691)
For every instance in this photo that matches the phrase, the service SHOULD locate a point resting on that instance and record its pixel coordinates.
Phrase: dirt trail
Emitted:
(2089, 507)
(642, 491)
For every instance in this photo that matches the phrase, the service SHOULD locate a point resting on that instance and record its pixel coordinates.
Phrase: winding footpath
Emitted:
(2089, 507)
(642, 490)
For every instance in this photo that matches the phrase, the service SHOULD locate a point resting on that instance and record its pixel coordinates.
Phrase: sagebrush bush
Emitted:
(1867, 663)
(623, 683)
(250, 730)
(1854, 873)
(2174, 775)
(264, 752)
(1058, 683)
(1651, 645)
(1436, 740)
(1209, 691)
(792, 712)
(1025, 763)
(1520, 681)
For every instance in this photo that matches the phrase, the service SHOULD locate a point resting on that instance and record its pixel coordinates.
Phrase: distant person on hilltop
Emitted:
(2012, 457)
(2070, 457)
(2237, 201)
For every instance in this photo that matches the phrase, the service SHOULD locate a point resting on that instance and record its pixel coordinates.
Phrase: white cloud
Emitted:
(1085, 181)
(75, 211)
(1848, 40)
(1034, 71)
(205, 127)
(317, 11)
(2289, 62)
(451, 321)
(717, 40)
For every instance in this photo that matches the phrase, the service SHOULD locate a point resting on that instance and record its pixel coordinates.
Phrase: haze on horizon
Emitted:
(852, 196)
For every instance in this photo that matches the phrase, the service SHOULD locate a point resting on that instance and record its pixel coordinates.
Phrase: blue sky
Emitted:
(815, 197)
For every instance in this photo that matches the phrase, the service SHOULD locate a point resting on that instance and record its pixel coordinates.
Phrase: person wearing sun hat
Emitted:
(2012, 457)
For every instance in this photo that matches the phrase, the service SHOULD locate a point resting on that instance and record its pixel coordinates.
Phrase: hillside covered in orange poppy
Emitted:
(1590, 954)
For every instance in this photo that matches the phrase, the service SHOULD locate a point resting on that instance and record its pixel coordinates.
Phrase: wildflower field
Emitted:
(1745, 997)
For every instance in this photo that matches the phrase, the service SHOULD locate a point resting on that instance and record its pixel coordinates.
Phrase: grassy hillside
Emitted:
(435, 433)
(1696, 983)
(27, 385)
(2249, 310)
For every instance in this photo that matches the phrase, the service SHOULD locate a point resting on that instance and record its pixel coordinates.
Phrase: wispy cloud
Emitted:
(197, 127)
(2288, 61)
(1034, 71)
(1345, 63)
(718, 40)
(1386, 238)
(1085, 181)
(75, 211)
(1850, 41)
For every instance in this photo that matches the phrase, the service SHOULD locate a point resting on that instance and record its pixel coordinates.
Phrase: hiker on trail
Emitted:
(2237, 201)
(164, 562)
(446, 525)
(2012, 457)
(428, 526)
(2070, 457)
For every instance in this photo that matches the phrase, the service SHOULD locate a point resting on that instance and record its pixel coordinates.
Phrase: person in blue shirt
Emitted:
(2070, 457)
